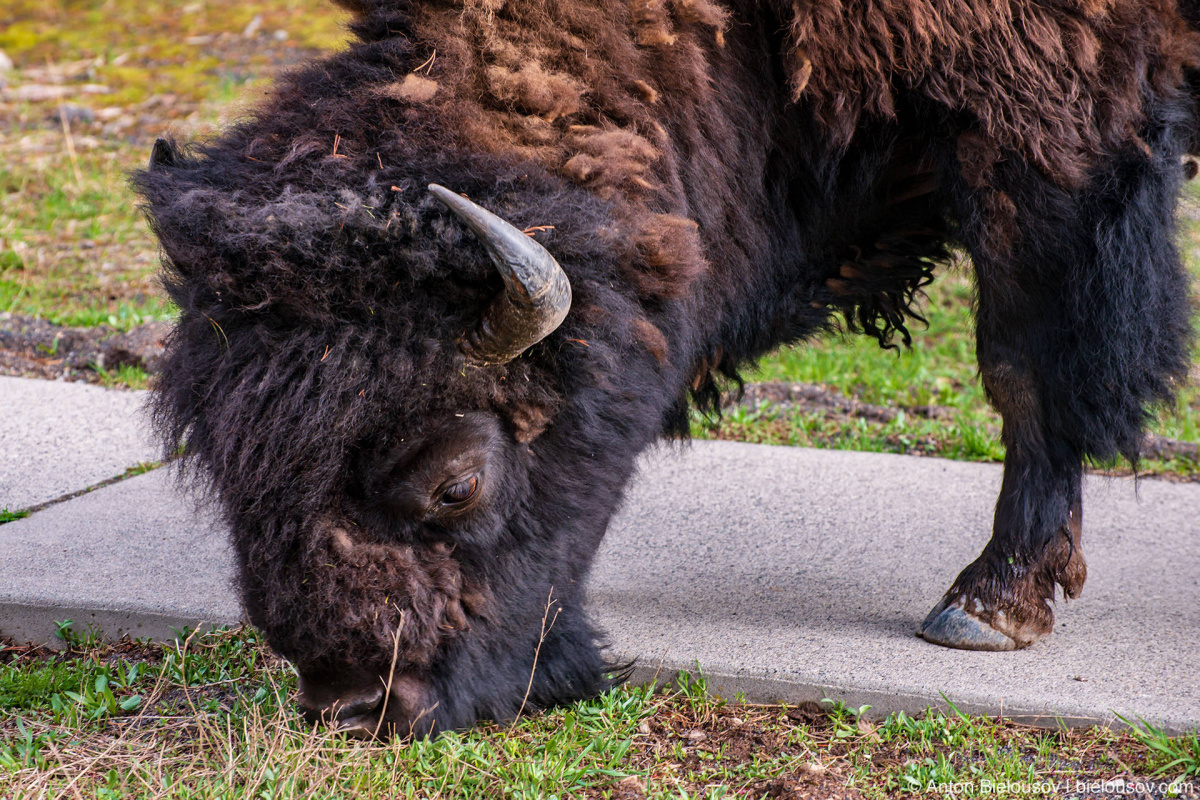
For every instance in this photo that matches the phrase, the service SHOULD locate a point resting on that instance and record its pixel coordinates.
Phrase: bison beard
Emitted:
(415, 500)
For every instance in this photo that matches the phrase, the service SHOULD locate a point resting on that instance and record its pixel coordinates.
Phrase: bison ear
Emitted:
(536, 296)
(163, 155)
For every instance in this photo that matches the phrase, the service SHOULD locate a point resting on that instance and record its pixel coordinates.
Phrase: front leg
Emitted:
(1002, 600)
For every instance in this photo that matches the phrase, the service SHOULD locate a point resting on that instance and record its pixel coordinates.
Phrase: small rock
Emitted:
(204, 39)
(644, 728)
(150, 102)
(6, 63)
(119, 124)
(736, 721)
(38, 92)
(865, 728)
(630, 788)
(280, 35)
(252, 27)
(695, 736)
(74, 114)
(95, 88)
(814, 768)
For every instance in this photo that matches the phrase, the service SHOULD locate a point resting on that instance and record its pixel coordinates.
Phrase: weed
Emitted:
(76, 640)
(95, 699)
(126, 376)
(26, 750)
(12, 516)
(1178, 756)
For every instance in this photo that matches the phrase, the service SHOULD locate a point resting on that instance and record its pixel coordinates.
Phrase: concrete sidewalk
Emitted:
(799, 574)
(57, 438)
(786, 574)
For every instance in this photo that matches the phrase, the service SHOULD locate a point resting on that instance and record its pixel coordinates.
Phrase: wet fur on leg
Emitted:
(1015, 598)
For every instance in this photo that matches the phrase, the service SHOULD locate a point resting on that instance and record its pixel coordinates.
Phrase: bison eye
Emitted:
(460, 492)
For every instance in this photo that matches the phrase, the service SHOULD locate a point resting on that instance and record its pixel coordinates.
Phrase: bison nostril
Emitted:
(323, 705)
(357, 705)
(367, 710)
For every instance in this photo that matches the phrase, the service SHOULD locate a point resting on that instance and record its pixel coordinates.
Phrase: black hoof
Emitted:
(950, 626)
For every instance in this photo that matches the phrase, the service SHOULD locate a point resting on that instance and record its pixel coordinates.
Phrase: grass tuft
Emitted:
(1178, 756)
(212, 715)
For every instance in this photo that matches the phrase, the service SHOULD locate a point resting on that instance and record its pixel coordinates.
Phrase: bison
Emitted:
(438, 290)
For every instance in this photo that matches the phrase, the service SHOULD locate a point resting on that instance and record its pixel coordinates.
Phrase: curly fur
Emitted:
(715, 180)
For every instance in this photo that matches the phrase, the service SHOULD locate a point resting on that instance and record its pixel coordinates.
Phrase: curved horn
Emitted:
(537, 294)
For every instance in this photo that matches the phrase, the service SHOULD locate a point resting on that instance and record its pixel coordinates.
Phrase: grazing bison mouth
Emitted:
(405, 602)
(400, 705)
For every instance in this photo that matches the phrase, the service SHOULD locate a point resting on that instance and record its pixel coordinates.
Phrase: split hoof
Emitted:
(950, 626)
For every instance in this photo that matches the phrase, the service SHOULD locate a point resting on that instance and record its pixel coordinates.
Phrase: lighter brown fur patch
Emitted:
(651, 338)
(671, 256)
(535, 90)
(377, 588)
(413, 89)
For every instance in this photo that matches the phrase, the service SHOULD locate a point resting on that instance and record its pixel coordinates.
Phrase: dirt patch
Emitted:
(34, 348)
(810, 397)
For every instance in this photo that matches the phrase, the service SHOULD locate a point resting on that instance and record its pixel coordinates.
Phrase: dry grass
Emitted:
(214, 718)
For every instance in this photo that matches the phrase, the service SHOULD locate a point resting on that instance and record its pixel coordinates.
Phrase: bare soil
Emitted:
(34, 348)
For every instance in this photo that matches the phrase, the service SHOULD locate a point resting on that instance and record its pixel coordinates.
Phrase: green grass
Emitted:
(74, 248)
(76, 251)
(213, 716)
(939, 369)
(1179, 755)
(126, 376)
(11, 516)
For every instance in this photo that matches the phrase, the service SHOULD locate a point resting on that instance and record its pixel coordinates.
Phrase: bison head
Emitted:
(416, 448)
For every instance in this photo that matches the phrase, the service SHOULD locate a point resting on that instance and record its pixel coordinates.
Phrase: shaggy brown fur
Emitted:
(1059, 81)
(580, 90)
(563, 85)
(414, 595)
